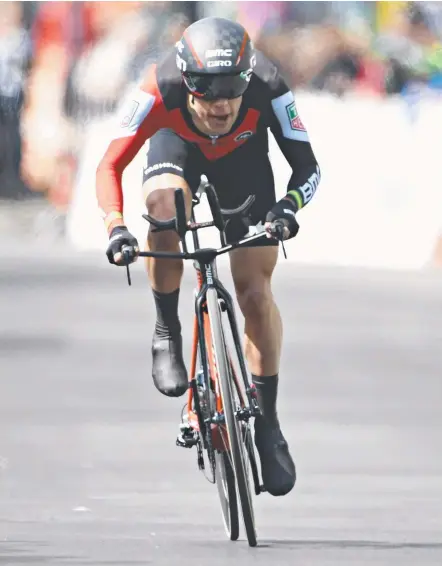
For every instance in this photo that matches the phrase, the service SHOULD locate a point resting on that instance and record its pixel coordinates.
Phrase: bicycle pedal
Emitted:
(185, 442)
(186, 439)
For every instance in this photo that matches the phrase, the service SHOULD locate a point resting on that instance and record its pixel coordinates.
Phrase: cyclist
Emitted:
(205, 108)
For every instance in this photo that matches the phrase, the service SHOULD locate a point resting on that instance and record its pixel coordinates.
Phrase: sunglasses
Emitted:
(213, 87)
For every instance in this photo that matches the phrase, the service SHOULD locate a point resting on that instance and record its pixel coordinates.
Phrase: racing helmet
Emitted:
(216, 58)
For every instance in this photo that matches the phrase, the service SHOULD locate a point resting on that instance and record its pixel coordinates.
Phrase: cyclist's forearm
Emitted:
(303, 184)
(109, 189)
(293, 140)
(109, 196)
(306, 173)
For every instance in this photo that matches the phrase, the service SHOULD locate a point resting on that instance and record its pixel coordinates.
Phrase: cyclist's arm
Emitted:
(293, 140)
(142, 114)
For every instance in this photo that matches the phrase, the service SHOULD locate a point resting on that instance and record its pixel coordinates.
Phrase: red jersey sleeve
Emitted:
(141, 114)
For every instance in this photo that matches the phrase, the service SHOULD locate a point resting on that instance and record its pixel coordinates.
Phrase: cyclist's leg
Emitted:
(164, 274)
(171, 164)
(249, 171)
(252, 270)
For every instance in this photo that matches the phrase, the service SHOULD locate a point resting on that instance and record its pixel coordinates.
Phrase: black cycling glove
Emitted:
(119, 237)
(284, 212)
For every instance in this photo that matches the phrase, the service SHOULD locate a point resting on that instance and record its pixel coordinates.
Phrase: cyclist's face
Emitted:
(215, 117)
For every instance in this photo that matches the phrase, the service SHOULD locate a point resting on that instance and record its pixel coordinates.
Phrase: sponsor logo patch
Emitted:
(219, 63)
(295, 120)
(128, 116)
(246, 75)
(162, 166)
(244, 135)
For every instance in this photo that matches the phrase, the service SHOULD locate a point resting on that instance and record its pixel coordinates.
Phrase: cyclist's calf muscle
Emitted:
(164, 275)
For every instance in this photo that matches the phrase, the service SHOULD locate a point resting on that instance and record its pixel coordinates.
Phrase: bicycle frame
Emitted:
(207, 277)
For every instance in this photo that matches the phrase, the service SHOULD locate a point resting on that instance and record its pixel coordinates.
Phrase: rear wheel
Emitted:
(238, 451)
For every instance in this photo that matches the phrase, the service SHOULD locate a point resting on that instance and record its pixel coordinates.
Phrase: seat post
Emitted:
(196, 242)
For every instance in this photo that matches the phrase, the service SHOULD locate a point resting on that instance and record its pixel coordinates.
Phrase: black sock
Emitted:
(267, 392)
(167, 323)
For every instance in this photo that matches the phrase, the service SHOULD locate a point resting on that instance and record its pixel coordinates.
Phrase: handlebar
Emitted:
(179, 223)
(220, 217)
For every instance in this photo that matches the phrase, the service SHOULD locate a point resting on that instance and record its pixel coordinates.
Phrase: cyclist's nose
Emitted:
(221, 105)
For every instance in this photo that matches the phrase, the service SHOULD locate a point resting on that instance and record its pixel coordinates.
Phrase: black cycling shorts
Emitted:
(245, 171)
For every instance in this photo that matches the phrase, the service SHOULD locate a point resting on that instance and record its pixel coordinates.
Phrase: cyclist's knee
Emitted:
(252, 270)
(159, 194)
(254, 298)
(160, 204)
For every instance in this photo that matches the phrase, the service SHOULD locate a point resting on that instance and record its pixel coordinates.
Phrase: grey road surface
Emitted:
(89, 470)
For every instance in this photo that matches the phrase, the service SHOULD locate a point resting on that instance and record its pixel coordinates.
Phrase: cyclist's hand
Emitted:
(281, 221)
(119, 237)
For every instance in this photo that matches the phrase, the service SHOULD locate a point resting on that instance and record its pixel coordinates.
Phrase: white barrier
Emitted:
(378, 204)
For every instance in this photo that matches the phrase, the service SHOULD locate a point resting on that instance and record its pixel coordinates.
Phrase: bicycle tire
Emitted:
(224, 476)
(227, 494)
(232, 424)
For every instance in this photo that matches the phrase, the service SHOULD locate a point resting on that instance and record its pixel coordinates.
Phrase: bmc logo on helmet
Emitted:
(219, 63)
(218, 53)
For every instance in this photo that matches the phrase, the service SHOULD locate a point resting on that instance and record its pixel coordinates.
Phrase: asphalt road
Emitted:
(89, 470)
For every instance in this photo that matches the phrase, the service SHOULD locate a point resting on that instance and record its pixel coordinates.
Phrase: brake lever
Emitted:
(283, 249)
(279, 231)
(125, 253)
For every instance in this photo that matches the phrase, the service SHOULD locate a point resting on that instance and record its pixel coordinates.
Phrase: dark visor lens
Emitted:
(211, 87)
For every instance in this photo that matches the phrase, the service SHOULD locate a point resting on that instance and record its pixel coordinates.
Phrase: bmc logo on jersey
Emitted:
(244, 135)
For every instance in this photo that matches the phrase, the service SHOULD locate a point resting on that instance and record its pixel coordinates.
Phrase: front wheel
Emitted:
(237, 448)
(225, 482)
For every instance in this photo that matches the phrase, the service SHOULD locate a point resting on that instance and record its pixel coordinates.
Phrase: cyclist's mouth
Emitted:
(220, 120)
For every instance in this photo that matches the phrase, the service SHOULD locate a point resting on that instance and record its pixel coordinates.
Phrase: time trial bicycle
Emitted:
(221, 398)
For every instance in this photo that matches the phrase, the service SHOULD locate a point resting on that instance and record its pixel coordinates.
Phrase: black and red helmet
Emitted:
(216, 58)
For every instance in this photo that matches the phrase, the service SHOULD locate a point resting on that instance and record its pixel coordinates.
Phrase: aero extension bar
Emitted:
(220, 219)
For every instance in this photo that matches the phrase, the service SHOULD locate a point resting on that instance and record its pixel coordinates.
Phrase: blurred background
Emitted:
(65, 65)
(89, 469)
